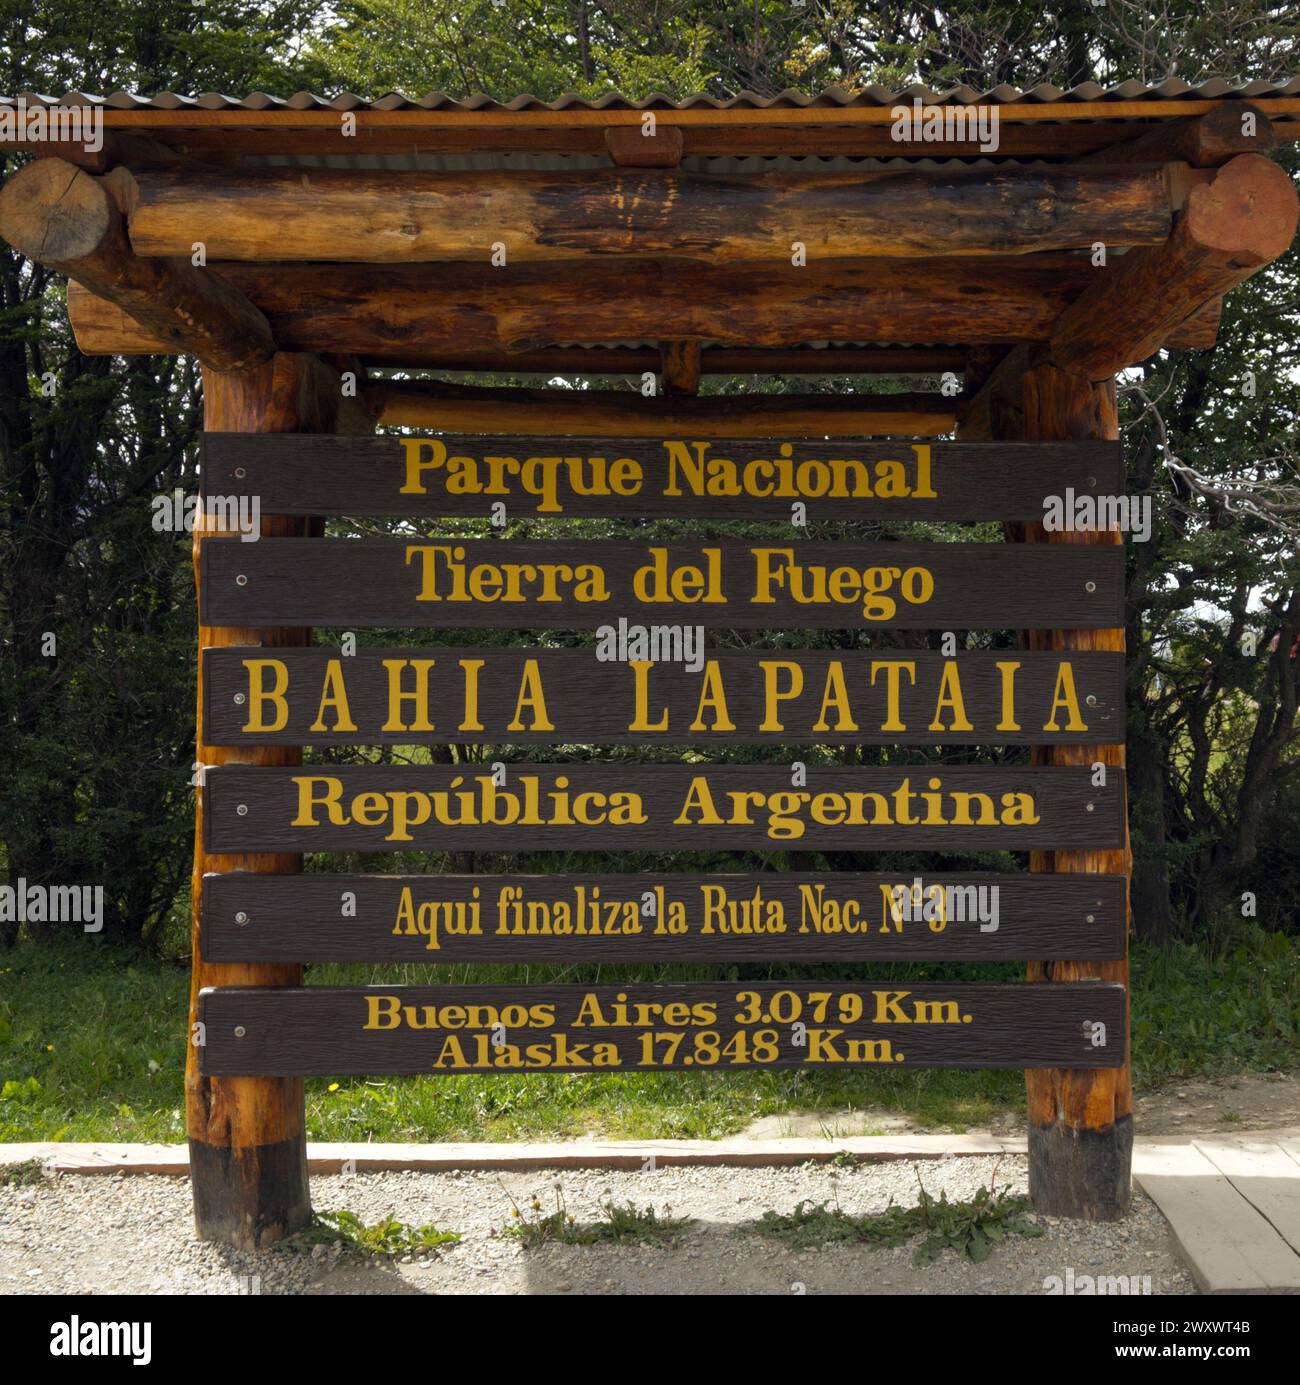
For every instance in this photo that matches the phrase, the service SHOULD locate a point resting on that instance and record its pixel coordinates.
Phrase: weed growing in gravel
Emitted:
(386, 1237)
(621, 1225)
(971, 1228)
(25, 1175)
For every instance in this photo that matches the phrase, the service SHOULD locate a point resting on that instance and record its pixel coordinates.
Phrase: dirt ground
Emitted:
(1207, 1106)
(133, 1234)
(123, 1234)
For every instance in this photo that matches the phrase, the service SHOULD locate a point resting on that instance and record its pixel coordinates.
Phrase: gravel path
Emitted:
(120, 1234)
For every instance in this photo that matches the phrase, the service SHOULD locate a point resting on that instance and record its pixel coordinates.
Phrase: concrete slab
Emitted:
(101, 1158)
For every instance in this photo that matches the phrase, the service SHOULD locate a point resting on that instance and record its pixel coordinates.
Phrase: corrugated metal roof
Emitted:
(1214, 88)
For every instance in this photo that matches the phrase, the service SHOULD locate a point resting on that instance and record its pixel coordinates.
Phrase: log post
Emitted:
(60, 215)
(1080, 1119)
(679, 362)
(247, 1135)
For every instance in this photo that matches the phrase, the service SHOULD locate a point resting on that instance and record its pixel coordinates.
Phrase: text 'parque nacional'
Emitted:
(468, 476)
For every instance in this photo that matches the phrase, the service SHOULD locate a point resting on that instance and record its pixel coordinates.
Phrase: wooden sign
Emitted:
(577, 585)
(662, 917)
(435, 477)
(618, 807)
(529, 1028)
(731, 697)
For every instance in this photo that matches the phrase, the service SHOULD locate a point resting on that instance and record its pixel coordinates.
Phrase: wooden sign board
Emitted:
(318, 1031)
(436, 477)
(619, 807)
(319, 696)
(662, 917)
(578, 585)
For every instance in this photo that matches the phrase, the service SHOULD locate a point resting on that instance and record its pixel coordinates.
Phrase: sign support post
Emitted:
(1080, 1120)
(247, 1135)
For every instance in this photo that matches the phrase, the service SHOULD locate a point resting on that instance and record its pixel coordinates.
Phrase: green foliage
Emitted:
(30, 1173)
(387, 1237)
(971, 1229)
(622, 1224)
(1207, 1009)
(92, 1047)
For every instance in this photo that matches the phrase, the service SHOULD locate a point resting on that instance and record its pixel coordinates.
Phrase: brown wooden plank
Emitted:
(851, 479)
(700, 141)
(357, 582)
(544, 919)
(437, 1029)
(621, 807)
(737, 697)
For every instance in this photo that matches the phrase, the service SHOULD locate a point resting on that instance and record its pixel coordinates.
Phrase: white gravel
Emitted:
(134, 1234)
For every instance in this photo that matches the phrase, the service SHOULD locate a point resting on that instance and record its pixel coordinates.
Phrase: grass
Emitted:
(92, 1047)
(26, 1174)
(622, 1224)
(972, 1229)
(388, 1236)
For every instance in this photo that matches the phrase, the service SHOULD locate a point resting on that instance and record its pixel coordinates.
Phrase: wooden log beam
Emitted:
(64, 217)
(1056, 141)
(1080, 1120)
(631, 147)
(247, 1135)
(381, 217)
(680, 363)
(368, 309)
(1202, 141)
(714, 360)
(1230, 228)
(608, 413)
(102, 329)
(115, 148)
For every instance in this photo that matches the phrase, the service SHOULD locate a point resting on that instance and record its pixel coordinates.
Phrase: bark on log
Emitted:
(1230, 228)
(364, 309)
(64, 217)
(608, 413)
(247, 1135)
(680, 364)
(1080, 1120)
(374, 216)
(633, 148)
(1202, 141)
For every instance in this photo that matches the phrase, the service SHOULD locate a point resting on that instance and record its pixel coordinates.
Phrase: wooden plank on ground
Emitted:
(1229, 1247)
(1266, 1176)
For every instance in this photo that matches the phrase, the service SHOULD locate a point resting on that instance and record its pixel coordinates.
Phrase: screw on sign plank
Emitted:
(530, 1028)
(661, 917)
(638, 477)
(607, 807)
(577, 584)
